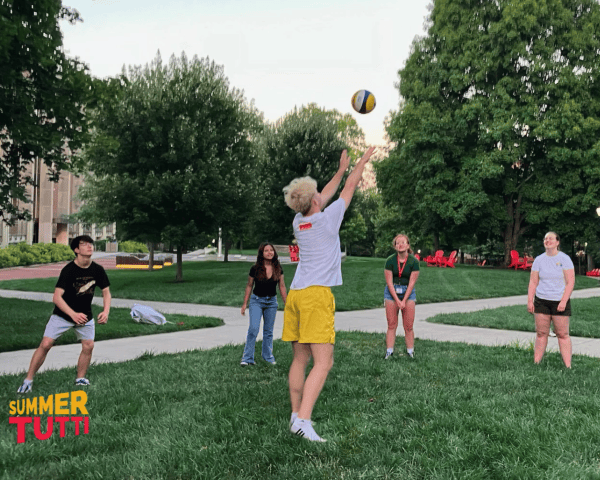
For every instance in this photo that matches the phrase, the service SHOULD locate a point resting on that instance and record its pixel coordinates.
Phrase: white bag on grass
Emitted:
(145, 314)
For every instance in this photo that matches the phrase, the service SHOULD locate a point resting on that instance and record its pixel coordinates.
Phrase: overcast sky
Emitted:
(281, 53)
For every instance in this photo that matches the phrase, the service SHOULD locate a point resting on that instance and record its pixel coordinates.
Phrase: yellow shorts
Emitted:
(309, 316)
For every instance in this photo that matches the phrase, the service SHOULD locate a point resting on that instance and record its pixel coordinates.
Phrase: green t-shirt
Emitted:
(412, 265)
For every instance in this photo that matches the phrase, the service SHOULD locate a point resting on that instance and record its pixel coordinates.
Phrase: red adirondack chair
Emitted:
(481, 264)
(448, 261)
(515, 261)
(294, 249)
(417, 256)
(593, 273)
(435, 260)
(525, 263)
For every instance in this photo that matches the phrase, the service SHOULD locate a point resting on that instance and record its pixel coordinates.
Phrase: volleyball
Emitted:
(363, 101)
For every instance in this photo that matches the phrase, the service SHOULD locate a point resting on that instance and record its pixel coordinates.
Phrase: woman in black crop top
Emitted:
(265, 276)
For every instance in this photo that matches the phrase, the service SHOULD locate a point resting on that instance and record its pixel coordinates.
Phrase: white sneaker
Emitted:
(304, 429)
(552, 334)
(26, 387)
(293, 418)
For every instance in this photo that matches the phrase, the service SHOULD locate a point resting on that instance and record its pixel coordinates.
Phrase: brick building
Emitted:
(50, 205)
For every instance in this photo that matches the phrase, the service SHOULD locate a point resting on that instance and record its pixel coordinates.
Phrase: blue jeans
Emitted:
(265, 307)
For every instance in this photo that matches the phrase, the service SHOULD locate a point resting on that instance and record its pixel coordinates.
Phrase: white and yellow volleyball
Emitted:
(363, 101)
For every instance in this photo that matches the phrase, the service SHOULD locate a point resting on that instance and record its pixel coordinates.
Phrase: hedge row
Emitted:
(24, 254)
(132, 247)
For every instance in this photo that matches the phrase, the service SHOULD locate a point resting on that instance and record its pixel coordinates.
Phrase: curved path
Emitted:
(236, 325)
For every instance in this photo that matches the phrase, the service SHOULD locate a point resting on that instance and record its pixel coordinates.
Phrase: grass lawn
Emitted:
(457, 412)
(23, 323)
(583, 322)
(218, 283)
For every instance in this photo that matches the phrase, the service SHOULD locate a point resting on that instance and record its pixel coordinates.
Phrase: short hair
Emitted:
(81, 238)
(299, 194)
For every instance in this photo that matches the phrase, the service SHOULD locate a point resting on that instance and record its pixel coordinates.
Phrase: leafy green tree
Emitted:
(172, 154)
(305, 142)
(498, 129)
(42, 98)
(355, 230)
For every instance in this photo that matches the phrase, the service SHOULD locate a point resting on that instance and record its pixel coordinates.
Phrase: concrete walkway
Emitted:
(236, 325)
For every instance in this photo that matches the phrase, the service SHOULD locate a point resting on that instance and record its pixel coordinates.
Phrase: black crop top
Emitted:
(263, 288)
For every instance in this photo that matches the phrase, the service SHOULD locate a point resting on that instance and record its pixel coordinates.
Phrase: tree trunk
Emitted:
(228, 244)
(151, 256)
(436, 241)
(179, 274)
(513, 230)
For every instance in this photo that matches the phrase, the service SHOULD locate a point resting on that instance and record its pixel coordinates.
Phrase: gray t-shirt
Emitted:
(319, 243)
(552, 278)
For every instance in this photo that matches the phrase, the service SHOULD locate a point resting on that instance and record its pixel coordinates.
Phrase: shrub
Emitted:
(132, 247)
(24, 254)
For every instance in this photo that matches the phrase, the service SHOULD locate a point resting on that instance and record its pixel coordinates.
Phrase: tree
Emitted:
(355, 229)
(305, 142)
(499, 123)
(42, 98)
(172, 153)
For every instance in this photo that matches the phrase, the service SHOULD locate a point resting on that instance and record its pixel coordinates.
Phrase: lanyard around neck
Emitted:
(405, 262)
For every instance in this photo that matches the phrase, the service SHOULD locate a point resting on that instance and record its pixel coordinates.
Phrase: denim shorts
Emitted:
(388, 296)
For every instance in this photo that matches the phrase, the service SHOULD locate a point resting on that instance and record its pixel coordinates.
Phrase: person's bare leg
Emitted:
(85, 357)
(561, 328)
(408, 321)
(542, 329)
(391, 314)
(322, 354)
(297, 373)
(39, 356)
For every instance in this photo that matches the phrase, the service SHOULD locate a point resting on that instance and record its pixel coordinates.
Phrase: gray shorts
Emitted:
(57, 325)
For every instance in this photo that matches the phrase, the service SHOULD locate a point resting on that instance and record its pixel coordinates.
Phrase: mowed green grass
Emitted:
(23, 323)
(456, 412)
(583, 322)
(218, 283)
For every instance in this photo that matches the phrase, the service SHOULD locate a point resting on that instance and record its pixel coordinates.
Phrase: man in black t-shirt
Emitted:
(73, 309)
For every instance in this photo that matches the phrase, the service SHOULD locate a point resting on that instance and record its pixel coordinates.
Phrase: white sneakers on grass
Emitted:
(303, 428)
(26, 387)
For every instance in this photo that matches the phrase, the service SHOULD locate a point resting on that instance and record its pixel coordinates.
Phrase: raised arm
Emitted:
(355, 176)
(330, 189)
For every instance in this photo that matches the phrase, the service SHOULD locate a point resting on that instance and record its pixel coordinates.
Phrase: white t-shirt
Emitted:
(552, 279)
(319, 243)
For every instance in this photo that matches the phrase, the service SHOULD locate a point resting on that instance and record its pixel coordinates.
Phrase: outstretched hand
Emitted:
(367, 155)
(344, 161)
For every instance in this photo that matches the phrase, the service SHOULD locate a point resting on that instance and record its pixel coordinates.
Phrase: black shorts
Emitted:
(549, 307)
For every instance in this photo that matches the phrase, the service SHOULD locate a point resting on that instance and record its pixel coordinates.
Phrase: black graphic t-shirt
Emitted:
(79, 285)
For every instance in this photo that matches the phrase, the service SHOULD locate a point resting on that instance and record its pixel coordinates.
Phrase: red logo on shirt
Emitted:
(305, 226)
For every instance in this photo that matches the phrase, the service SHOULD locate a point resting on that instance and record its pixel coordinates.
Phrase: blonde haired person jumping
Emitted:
(309, 311)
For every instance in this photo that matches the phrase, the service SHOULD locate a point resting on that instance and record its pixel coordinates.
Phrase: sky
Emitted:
(281, 53)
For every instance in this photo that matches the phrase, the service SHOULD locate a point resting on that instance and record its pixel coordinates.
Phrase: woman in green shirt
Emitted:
(401, 274)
